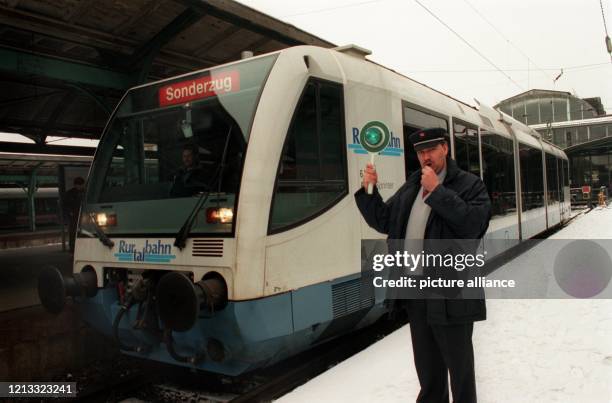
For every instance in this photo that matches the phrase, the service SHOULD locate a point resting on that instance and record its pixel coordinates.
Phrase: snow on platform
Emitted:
(596, 224)
(526, 351)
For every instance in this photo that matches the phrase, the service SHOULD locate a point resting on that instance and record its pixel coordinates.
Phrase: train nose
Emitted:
(179, 299)
(53, 287)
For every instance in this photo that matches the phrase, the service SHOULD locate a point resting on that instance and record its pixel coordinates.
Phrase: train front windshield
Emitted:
(171, 144)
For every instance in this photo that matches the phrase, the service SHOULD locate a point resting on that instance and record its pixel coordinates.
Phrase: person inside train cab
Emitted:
(71, 207)
(190, 178)
(440, 201)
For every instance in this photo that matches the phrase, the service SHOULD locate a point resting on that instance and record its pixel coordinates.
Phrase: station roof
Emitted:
(594, 102)
(64, 64)
(594, 147)
(17, 168)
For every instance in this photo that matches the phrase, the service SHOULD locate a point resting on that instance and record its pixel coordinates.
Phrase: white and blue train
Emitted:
(219, 229)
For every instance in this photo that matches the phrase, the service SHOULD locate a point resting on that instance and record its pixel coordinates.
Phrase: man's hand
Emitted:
(369, 176)
(429, 179)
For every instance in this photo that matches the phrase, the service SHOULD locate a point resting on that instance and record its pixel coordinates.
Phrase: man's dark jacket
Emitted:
(460, 209)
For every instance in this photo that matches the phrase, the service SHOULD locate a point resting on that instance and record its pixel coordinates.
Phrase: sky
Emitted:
(530, 41)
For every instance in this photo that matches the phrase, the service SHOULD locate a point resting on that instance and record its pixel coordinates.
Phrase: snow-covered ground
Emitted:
(527, 351)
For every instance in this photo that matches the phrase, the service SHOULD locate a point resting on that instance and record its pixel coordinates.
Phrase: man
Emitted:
(189, 180)
(440, 201)
(72, 205)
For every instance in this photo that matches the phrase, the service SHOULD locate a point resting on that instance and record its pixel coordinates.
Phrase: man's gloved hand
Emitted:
(369, 176)
(429, 179)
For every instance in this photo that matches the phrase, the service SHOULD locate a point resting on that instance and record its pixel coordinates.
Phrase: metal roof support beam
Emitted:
(101, 102)
(144, 12)
(8, 124)
(25, 148)
(214, 41)
(57, 112)
(32, 188)
(28, 64)
(145, 55)
(28, 98)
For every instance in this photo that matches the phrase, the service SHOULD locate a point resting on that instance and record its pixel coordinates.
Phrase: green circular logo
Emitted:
(374, 136)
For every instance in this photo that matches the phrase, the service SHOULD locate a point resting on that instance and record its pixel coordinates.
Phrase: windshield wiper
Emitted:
(106, 241)
(181, 237)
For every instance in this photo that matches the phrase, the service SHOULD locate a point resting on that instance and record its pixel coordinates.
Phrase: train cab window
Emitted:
(466, 146)
(312, 170)
(552, 179)
(532, 181)
(416, 119)
(149, 160)
(498, 172)
(175, 146)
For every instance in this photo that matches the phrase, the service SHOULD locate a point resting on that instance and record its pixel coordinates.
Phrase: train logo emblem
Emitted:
(375, 132)
(150, 252)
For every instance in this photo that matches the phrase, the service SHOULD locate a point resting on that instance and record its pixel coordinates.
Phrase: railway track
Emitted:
(171, 384)
(293, 374)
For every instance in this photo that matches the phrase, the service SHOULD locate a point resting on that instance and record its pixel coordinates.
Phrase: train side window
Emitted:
(312, 174)
(551, 179)
(498, 172)
(415, 118)
(466, 146)
(532, 181)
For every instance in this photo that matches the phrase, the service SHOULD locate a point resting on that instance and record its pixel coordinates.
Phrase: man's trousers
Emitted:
(438, 351)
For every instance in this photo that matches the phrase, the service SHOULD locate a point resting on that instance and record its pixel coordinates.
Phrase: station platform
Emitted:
(19, 269)
(36, 345)
(528, 350)
(26, 239)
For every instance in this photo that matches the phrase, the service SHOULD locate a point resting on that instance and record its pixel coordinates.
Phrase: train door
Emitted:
(553, 201)
(565, 200)
(310, 204)
(417, 118)
(467, 144)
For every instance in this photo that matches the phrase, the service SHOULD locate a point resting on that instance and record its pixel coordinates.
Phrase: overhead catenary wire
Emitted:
(603, 16)
(506, 38)
(469, 44)
(322, 10)
(581, 67)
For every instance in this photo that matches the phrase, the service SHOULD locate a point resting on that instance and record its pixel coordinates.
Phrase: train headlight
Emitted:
(101, 219)
(106, 220)
(221, 215)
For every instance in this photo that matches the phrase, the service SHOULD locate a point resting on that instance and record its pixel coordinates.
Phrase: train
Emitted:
(258, 257)
(14, 208)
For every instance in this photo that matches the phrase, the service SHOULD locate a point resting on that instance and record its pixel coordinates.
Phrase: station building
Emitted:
(578, 125)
